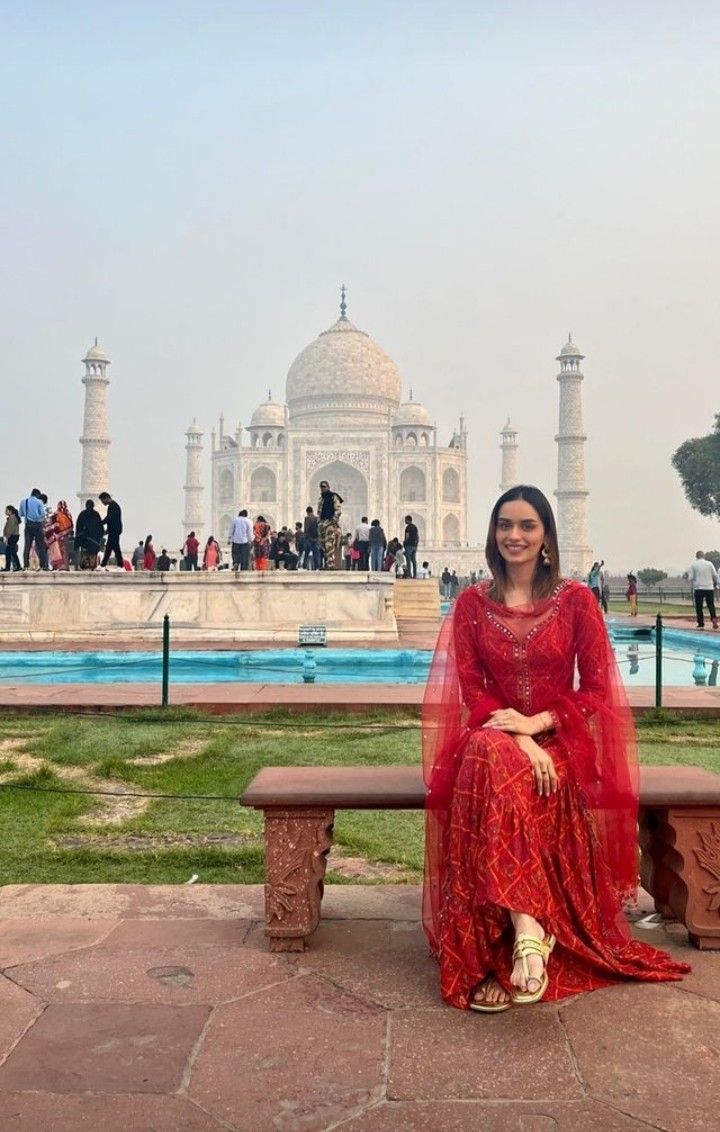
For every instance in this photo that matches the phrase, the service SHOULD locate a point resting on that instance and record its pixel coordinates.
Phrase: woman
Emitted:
(57, 537)
(212, 554)
(88, 536)
(261, 543)
(11, 534)
(594, 582)
(532, 785)
(631, 594)
(148, 554)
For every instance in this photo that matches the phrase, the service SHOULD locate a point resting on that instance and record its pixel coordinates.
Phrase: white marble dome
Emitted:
(268, 415)
(343, 373)
(570, 350)
(95, 354)
(412, 413)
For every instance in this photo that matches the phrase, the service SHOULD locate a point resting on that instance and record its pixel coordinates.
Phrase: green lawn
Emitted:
(649, 606)
(76, 838)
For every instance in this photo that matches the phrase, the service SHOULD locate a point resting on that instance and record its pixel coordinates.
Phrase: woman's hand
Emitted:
(515, 723)
(543, 768)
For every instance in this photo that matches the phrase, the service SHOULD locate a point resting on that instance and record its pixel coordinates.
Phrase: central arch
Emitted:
(347, 481)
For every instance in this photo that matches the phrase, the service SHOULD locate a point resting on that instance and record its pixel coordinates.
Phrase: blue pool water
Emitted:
(690, 659)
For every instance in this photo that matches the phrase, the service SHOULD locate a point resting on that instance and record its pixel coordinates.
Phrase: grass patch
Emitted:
(65, 838)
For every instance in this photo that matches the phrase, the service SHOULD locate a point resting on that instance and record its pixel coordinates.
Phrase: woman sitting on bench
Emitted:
(531, 842)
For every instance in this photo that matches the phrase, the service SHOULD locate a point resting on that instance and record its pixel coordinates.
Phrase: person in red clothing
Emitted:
(190, 551)
(149, 554)
(532, 784)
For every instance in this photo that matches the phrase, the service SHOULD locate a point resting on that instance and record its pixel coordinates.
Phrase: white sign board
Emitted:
(312, 635)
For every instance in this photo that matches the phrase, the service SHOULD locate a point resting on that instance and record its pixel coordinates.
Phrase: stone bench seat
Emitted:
(679, 837)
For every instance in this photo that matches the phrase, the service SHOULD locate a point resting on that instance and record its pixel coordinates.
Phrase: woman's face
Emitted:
(519, 532)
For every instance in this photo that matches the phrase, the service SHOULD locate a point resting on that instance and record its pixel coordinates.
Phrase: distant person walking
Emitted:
(212, 555)
(631, 594)
(241, 534)
(411, 538)
(378, 546)
(88, 536)
(32, 510)
(113, 527)
(604, 588)
(138, 556)
(703, 578)
(11, 534)
(261, 543)
(191, 547)
(362, 544)
(311, 545)
(593, 581)
(445, 579)
(329, 512)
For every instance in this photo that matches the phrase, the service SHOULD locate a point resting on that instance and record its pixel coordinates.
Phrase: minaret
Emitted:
(194, 520)
(575, 554)
(95, 440)
(509, 449)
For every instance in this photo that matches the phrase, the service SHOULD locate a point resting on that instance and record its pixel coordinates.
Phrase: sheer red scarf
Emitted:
(570, 670)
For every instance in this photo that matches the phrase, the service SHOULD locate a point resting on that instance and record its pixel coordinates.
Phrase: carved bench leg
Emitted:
(684, 848)
(297, 842)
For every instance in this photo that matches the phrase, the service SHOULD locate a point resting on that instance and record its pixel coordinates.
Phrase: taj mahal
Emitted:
(344, 420)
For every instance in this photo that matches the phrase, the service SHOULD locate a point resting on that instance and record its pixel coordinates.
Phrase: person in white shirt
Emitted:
(703, 577)
(425, 571)
(362, 537)
(241, 533)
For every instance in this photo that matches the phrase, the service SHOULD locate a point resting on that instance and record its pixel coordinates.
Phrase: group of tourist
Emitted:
(50, 531)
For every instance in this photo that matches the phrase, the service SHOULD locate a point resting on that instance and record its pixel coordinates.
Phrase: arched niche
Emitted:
(451, 486)
(267, 439)
(263, 486)
(412, 484)
(347, 481)
(451, 530)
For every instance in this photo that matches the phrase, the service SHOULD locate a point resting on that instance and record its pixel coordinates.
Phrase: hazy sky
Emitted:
(192, 182)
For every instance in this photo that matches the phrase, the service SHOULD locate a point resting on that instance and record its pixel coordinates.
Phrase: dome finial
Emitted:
(269, 393)
(411, 397)
(343, 304)
(96, 339)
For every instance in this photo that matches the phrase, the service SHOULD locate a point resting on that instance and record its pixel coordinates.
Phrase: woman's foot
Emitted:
(528, 925)
(489, 997)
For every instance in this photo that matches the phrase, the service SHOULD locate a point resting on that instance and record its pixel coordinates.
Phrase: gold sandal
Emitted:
(483, 1007)
(525, 946)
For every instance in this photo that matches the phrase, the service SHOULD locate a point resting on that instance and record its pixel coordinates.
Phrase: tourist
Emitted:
(11, 534)
(31, 509)
(329, 512)
(400, 561)
(261, 543)
(378, 546)
(190, 550)
(212, 555)
(57, 537)
(240, 537)
(362, 544)
(163, 562)
(298, 542)
(390, 552)
(631, 594)
(411, 538)
(703, 578)
(148, 554)
(425, 571)
(138, 556)
(346, 543)
(531, 811)
(113, 526)
(454, 585)
(283, 554)
(445, 579)
(593, 580)
(604, 588)
(88, 536)
(311, 532)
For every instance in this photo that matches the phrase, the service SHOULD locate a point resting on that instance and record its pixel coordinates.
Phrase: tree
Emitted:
(650, 577)
(697, 462)
(714, 557)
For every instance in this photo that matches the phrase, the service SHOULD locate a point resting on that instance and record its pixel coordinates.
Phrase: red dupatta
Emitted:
(553, 655)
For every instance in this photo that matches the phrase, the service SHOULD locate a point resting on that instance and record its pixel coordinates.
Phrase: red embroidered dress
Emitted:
(493, 843)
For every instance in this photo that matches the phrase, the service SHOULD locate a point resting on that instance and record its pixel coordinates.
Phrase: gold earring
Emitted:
(545, 555)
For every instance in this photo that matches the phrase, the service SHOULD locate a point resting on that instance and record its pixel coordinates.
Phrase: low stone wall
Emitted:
(102, 607)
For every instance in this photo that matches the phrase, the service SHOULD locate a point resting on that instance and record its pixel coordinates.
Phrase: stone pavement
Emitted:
(159, 1009)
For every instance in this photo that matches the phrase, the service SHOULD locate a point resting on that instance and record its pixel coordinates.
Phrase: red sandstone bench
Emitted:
(679, 839)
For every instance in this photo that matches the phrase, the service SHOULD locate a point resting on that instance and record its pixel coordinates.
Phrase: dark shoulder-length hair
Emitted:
(546, 577)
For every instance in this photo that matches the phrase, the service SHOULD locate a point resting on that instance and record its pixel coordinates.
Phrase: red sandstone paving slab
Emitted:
(43, 1112)
(296, 1057)
(704, 979)
(18, 1009)
(372, 901)
(652, 1051)
(145, 972)
(134, 934)
(21, 941)
(486, 1116)
(448, 1054)
(105, 1048)
(134, 901)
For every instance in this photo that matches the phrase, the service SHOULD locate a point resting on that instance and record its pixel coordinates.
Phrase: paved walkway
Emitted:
(159, 1009)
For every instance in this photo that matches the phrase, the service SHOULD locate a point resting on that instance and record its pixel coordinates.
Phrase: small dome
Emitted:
(569, 350)
(411, 413)
(95, 354)
(193, 430)
(268, 415)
